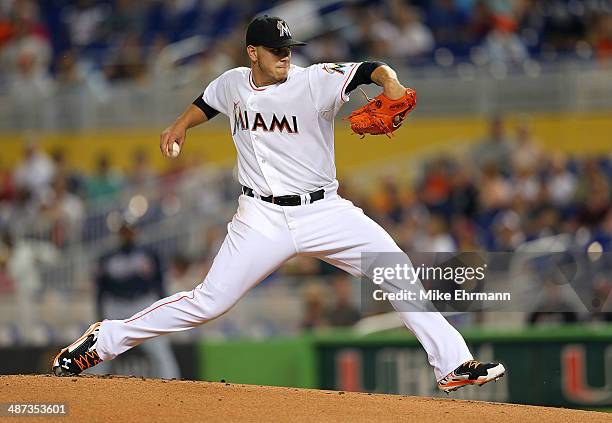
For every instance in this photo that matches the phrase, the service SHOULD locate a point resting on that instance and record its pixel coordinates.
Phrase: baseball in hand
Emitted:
(176, 149)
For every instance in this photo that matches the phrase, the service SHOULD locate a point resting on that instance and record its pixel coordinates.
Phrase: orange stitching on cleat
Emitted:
(94, 356)
(79, 362)
(85, 358)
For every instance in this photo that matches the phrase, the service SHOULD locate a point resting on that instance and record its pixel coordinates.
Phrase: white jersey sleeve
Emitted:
(215, 94)
(328, 82)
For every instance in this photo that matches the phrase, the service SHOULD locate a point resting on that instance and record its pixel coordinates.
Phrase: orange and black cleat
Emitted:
(78, 356)
(471, 372)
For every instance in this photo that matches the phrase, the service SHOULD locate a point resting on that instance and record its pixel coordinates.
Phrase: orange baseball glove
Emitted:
(382, 115)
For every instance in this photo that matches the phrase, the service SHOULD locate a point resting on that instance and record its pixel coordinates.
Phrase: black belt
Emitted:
(286, 200)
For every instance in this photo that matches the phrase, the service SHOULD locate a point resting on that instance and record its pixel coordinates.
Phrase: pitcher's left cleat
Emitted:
(471, 372)
(80, 355)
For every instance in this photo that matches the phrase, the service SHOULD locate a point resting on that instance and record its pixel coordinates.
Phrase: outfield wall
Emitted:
(576, 133)
(568, 366)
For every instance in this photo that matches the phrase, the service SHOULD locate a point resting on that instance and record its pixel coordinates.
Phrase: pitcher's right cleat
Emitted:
(471, 372)
(78, 356)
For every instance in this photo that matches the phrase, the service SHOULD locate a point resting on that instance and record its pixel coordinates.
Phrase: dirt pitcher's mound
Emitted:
(120, 399)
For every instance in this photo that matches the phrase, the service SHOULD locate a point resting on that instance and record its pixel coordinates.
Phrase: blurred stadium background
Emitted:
(510, 147)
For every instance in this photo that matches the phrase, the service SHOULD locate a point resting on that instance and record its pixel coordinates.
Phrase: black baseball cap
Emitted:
(270, 31)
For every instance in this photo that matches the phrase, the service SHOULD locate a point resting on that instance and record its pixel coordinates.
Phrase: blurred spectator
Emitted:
(127, 17)
(7, 185)
(545, 223)
(593, 194)
(386, 202)
(563, 27)
(481, 21)
(329, 47)
(373, 35)
(84, 21)
(436, 186)
(589, 173)
(74, 91)
(228, 52)
(301, 266)
(35, 173)
(314, 308)
(448, 24)
(502, 44)
(603, 235)
(74, 180)
(23, 264)
(526, 185)
(7, 284)
(185, 274)
(602, 41)
(141, 176)
(561, 184)
(6, 27)
(411, 229)
(553, 308)
(463, 196)
(21, 213)
(26, 58)
(507, 232)
(179, 19)
(342, 312)
(106, 183)
(495, 191)
(413, 38)
(525, 153)
(465, 235)
(593, 211)
(27, 51)
(129, 62)
(436, 238)
(65, 213)
(68, 74)
(495, 149)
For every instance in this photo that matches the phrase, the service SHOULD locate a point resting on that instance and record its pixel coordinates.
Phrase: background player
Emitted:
(281, 118)
(128, 279)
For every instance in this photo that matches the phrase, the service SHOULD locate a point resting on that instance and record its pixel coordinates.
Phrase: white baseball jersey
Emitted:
(284, 133)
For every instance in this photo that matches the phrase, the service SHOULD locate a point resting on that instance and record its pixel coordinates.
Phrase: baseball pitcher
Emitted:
(282, 123)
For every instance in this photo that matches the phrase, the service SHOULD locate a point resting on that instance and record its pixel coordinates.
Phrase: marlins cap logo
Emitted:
(283, 29)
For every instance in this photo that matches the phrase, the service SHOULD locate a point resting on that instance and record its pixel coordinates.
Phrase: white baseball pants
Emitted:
(158, 350)
(260, 238)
